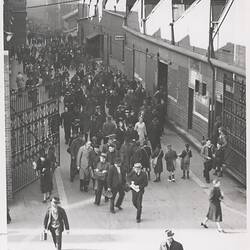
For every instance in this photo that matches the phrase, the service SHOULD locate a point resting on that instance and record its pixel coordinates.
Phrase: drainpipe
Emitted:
(133, 62)
(172, 33)
(211, 55)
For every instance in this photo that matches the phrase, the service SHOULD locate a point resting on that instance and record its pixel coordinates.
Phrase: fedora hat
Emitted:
(169, 233)
(56, 200)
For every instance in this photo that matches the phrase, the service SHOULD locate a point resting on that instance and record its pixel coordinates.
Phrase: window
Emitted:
(197, 86)
(204, 89)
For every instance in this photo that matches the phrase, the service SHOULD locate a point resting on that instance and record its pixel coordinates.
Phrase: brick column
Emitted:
(7, 126)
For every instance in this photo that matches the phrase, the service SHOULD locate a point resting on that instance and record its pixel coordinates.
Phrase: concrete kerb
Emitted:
(197, 145)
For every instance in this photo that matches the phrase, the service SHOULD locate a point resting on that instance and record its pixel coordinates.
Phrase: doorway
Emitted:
(190, 107)
(163, 78)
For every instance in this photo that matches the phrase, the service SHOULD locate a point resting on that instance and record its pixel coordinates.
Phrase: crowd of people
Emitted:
(112, 127)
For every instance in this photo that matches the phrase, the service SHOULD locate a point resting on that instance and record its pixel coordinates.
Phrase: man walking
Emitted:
(55, 220)
(116, 183)
(169, 243)
(138, 181)
(100, 174)
(66, 122)
(207, 152)
(83, 166)
(73, 150)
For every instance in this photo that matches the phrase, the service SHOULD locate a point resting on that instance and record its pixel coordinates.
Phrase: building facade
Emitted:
(165, 43)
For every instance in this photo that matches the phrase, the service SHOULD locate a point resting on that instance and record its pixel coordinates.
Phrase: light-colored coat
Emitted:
(83, 161)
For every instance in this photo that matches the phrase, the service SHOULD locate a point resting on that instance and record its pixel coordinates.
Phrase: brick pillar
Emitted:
(7, 127)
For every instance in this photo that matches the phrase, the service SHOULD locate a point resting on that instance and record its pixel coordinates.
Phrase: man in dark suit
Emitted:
(139, 181)
(116, 183)
(55, 220)
(66, 122)
(170, 243)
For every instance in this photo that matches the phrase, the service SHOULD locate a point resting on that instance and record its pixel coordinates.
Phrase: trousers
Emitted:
(100, 185)
(137, 202)
(119, 201)
(57, 237)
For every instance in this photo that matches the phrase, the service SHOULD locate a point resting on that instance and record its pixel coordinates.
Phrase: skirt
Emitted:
(214, 212)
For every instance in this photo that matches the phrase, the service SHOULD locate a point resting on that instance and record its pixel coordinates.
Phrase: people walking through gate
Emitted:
(83, 166)
(170, 157)
(100, 174)
(207, 152)
(116, 184)
(138, 181)
(214, 212)
(185, 161)
(157, 164)
(55, 221)
(169, 243)
(45, 170)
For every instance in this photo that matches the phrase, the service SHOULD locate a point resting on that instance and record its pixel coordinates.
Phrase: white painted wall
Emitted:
(110, 5)
(195, 23)
(121, 6)
(92, 8)
(160, 18)
(137, 9)
(234, 27)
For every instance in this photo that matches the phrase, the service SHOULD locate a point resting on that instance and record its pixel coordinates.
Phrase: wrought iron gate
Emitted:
(33, 128)
(234, 121)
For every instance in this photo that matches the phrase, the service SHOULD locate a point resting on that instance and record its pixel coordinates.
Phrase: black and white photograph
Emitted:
(123, 125)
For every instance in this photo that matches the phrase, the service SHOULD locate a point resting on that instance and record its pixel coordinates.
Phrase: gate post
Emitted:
(7, 127)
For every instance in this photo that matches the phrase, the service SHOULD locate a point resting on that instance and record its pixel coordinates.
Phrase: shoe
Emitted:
(183, 177)
(173, 180)
(119, 207)
(44, 201)
(138, 220)
(220, 230)
(155, 180)
(169, 179)
(204, 225)
(207, 181)
(112, 211)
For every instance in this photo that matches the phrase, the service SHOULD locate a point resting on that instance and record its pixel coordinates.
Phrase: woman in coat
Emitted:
(214, 212)
(45, 170)
(157, 163)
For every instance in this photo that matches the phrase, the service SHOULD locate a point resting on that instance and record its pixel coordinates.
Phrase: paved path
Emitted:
(180, 206)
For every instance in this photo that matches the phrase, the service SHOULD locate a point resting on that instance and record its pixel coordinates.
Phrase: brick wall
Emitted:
(7, 127)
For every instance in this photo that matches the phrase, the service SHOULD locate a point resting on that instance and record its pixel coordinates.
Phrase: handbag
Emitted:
(43, 235)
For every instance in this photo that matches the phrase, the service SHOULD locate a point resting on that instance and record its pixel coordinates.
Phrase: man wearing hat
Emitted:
(100, 174)
(116, 183)
(55, 220)
(138, 180)
(112, 153)
(169, 243)
(73, 150)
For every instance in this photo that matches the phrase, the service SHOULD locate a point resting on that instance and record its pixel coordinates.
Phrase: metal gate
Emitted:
(234, 121)
(33, 128)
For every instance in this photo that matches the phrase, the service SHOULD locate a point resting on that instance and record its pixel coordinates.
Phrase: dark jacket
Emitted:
(113, 179)
(66, 118)
(62, 217)
(141, 179)
(175, 245)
